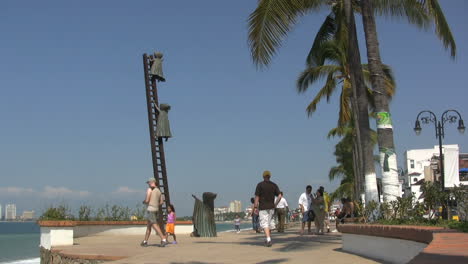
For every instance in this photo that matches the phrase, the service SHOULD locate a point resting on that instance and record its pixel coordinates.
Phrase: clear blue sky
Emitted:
(73, 114)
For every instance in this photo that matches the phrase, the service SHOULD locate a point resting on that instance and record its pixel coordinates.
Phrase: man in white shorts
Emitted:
(265, 203)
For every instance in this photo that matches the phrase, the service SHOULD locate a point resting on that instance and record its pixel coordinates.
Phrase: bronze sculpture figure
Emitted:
(203, 216)
(156, 70)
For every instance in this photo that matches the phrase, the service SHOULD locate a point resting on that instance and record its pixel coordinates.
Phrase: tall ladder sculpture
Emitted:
(157, 145)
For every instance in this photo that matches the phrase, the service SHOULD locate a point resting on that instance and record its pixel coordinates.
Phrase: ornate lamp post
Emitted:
(450, 116)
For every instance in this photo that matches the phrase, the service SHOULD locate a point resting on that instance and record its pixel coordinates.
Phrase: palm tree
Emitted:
(388, 159)
(272, 20)
(365, 147)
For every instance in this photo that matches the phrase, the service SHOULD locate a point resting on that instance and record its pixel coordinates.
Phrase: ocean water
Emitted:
(19, 241)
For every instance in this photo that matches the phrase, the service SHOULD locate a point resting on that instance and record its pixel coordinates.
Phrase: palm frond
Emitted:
(442, 28)
(339, 131)
(270, 22)
(389, 81)
(332, 52)
(344, 190)
(326, 32)
(313, 74)
(326, 91)
(344, 116)
(412, 10)
(337, 171)
(420, 13)
(390, 84)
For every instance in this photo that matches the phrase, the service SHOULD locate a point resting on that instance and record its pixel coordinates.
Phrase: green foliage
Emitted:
(344, 157)
(84, 213)
(386, 212)
(100, 214)
(61, 212)
(461, 226)
(370, 211)
(113, 213)
(402, 207)
(460, 193)
(433, 197)
(139, 212)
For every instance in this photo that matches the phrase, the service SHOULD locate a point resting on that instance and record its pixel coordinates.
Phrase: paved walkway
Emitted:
(446, 247)
(245, 247)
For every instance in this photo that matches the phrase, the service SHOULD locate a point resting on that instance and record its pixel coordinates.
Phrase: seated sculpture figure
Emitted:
(203, 216)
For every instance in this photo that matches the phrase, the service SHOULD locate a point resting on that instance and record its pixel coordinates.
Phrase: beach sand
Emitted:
(228, 247)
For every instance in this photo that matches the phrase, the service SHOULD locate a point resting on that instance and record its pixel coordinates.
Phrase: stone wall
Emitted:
(51, 257)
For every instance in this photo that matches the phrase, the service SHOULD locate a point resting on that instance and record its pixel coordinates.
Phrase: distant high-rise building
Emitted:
(10, 212)
(28, 215)
(1, 212)
(235, 207)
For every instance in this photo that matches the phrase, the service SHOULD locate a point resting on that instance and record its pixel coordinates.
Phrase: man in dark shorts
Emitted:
(265, 204)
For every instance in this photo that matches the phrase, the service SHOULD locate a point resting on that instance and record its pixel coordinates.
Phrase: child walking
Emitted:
(237, 223)
(170, 226)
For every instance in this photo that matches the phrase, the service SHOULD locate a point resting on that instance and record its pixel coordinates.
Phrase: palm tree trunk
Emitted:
(359, 89)
(357, 169)
(357, 150)
(388, 159)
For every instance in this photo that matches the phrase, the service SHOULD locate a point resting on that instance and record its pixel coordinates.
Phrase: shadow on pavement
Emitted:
(362, 256)
(272, 261)
(284, 243)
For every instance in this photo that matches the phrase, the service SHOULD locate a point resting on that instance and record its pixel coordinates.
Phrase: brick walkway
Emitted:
(446, 247)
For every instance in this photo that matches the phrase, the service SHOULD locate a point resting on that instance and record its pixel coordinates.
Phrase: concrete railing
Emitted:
(62, 233)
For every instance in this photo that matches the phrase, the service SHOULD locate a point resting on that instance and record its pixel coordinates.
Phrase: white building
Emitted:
(10, 212)
(1, 216)
(235, 207)
(423, 164)
(221, 210)
(28, 215)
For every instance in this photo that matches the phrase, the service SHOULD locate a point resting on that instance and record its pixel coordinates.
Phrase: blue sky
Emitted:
(73, 114)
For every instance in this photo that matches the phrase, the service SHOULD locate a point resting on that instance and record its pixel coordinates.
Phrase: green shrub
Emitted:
(84, 214)
(61, 212)
(139, 212)
(461, 226)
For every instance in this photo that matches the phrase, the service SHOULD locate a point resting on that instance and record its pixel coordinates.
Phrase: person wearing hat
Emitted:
(265, 204)
(153, 201)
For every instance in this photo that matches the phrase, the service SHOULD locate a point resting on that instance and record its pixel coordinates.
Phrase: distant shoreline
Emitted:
(18, 221)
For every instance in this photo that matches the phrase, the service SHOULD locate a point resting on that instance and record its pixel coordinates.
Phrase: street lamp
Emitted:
(450, 116)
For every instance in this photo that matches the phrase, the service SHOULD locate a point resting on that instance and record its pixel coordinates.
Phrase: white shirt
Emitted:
(305, 200)
(282, 203)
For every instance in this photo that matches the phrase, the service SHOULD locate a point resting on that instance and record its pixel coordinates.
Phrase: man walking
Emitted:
(265, 204)
(305, 201)
(153, 201)
(281, 212)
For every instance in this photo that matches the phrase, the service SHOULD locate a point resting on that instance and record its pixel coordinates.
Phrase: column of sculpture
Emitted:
(156, 72)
